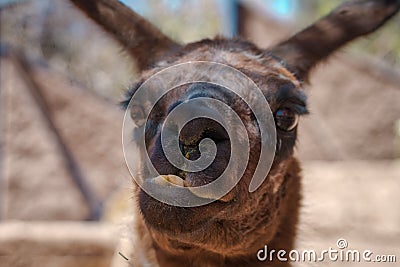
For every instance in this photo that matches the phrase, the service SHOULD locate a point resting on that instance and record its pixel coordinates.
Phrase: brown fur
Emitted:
(230, 233)
(235, 239)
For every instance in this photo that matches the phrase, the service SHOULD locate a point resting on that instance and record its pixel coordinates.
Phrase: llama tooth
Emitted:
(168, 180)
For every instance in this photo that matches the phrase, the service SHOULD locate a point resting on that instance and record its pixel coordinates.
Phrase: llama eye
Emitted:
(137, 115)
(286, 119)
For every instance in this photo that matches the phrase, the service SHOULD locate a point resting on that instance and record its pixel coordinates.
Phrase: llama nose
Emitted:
(191, 135)
(198, 118)
(197, 129)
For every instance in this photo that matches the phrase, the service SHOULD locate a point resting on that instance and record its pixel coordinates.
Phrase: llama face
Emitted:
(239, 211)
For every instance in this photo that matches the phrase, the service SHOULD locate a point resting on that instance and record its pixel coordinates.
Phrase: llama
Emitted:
(232, 228)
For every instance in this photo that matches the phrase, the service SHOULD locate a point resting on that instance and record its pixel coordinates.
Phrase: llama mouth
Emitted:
(171, 180)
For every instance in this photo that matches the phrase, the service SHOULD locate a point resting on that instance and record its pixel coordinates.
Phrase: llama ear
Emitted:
(138, 36)
(350, 20)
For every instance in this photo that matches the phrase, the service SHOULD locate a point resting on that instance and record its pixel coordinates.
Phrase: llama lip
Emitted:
(169, 180)
(173, 180)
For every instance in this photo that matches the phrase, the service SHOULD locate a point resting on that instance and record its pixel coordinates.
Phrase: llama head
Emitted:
(240, 220)
(212, 71)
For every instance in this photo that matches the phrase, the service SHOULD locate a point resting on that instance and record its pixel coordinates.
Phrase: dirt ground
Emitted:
(349, 200)
(354, 200)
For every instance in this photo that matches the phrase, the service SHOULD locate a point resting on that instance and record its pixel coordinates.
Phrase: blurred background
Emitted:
(63, 181)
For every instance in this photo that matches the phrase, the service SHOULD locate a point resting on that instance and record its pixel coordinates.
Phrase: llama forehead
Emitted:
(266, 71)
(252, 62)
